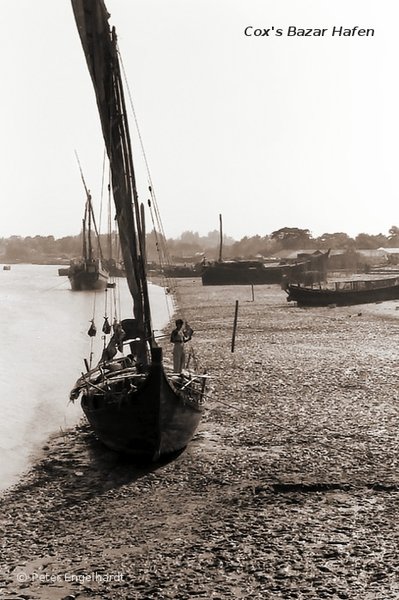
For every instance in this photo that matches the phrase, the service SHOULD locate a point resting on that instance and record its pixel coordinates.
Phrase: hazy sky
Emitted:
(270, 131)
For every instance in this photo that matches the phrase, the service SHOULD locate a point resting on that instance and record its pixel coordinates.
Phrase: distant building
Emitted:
(391, 255)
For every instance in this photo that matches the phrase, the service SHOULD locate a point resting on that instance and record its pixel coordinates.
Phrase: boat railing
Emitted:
(365, 284)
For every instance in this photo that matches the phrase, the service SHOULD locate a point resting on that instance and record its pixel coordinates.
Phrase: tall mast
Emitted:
(100, 48)
(90, 248)
(84, 248)
(90, 212)
(109, 224)
(221, 238)
(138, 213)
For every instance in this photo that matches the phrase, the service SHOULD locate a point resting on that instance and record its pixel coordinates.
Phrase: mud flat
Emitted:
(290, 488)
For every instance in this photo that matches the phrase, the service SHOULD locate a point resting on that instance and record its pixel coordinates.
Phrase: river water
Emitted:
(43, 345)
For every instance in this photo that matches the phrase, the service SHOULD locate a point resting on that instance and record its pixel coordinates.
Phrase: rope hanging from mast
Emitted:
(150, 186)
(124, 146)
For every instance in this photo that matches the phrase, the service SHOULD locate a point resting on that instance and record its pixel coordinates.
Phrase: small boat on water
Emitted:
(345, 293)
(87, 274)
(6, 268)
(134, 404)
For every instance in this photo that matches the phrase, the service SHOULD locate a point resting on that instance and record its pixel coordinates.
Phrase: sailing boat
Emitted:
(133, 403)
(88, 273)
(345, 293)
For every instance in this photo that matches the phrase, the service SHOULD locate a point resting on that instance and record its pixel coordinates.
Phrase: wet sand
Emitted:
(290, 488)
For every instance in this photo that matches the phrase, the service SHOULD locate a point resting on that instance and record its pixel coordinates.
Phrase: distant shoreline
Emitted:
(58, 262)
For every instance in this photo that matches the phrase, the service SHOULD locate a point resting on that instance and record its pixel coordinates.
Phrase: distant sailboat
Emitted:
(88, 272)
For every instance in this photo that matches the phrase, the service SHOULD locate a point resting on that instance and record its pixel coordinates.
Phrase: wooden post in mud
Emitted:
(253, 293)
(234, 327)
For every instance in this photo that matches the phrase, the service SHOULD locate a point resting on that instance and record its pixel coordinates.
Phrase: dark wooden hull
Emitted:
(153, 421)
(181, 271)
(309, 269)
(237, 274)
(322, 297)
(231, 275)
(83, 277)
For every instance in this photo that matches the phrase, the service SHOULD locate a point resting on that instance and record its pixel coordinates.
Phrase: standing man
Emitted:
(178, 338)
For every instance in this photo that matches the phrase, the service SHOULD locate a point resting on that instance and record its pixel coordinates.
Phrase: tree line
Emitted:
(192, 246)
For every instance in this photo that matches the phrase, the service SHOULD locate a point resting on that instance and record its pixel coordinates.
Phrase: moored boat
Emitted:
(345, 293)
(240, 272)
(88, 272)
(134, 404)
(243, 272)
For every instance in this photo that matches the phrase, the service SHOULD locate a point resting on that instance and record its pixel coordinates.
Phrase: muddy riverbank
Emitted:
(289, 489)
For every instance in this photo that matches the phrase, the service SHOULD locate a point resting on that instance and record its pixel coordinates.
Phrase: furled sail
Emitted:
(100, 48)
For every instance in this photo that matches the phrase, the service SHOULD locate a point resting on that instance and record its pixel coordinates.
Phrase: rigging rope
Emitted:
(102, 192)
(164, 277)
(91, 352)
(94, 304)
(161, 243)
(151, 187)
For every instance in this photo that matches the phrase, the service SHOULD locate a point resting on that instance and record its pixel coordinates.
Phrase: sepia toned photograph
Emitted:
(199, 300)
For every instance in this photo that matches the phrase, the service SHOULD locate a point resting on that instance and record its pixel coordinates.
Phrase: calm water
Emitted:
(44, 341)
